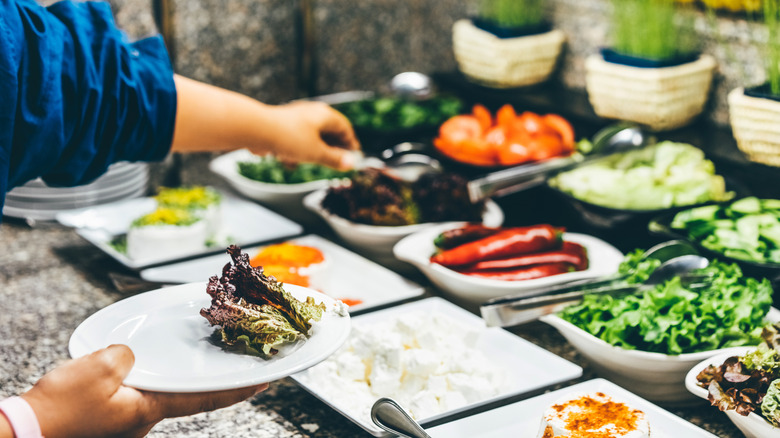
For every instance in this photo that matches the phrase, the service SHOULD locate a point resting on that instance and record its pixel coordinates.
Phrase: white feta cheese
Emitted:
(427, 362)
(350, 366)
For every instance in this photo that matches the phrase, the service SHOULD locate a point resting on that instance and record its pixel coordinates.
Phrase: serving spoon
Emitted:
(619, 137)
(412, 85)
(505, 312)
(390, 416)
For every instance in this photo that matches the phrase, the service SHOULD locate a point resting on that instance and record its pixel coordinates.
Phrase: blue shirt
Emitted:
(76, 96)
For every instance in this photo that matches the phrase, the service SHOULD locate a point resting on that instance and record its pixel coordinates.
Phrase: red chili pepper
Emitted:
(351, 301)
(521, 240)
(524, 273)
(571, 253)
(458, 236)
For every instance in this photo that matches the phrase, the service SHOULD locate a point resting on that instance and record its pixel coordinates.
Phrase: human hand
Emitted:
(85, 398)
(314, 132)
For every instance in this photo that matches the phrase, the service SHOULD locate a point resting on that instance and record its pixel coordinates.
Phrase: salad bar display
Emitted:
(349, 330)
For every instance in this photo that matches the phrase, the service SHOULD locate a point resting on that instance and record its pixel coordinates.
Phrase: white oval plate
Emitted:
(172, 349)
(418, 248)
(753, 425)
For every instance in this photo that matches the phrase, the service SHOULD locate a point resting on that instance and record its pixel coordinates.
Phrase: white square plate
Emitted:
(525, 417)
(347, 276)
(243, 223)
(529, 367)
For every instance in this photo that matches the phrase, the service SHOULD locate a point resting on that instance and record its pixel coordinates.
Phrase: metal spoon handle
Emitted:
(390, 416)
(526, 310)
(510, 180)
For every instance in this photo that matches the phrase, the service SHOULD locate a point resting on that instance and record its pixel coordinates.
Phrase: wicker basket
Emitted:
(661, 98)
(504, 62)
(756, 125)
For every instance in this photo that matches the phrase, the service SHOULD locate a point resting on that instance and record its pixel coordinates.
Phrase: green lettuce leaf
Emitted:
(672, 319)
(770, 406)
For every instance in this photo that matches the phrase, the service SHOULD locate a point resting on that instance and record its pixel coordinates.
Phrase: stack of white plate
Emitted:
(37, 201)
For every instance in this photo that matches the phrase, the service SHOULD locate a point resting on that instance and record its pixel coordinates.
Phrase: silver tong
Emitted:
(513, 310)
(610, 140)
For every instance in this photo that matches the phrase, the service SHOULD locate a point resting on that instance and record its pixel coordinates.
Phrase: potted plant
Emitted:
(755, 112)
(652, 74)
(508, 44)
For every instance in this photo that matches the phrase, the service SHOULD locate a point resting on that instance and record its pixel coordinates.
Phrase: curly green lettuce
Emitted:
(770, 406)
(672, 319)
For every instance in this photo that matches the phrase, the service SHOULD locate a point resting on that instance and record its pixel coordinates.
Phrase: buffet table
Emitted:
(53, 279)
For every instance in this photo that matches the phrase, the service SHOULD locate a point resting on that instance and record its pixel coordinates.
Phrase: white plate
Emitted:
(80, 200)
(46, 214)
(116, 175)
(523, 419)
(347, 275)
(418, 248)
(98, 188)
(379, 240)
(173, 353)
(752, 425)
(529, 367)
(243, 223)
(226, 166)
(655, 376)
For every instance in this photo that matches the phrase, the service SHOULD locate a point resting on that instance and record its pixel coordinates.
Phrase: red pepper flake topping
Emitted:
(596, 417)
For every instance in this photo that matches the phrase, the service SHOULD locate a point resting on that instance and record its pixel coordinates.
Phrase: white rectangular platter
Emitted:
(243, 223)
(345, 275)
(523, 419)
(527, 366)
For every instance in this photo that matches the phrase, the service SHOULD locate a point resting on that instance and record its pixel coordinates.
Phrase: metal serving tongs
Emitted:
(610, 140)
(678, 258)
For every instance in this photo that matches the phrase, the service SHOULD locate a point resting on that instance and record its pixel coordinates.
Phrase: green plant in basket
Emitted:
(653, 29)
(513, 13)
(772, 21)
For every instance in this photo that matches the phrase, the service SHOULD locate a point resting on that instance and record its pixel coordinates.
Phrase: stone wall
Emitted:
(254, 46)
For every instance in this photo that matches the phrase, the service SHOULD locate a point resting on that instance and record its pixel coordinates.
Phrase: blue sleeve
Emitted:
(76, 96)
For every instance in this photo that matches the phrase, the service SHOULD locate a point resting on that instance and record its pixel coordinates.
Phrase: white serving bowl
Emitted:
(226, 166)
(417, 249)
(753, 425)
(379, 240)
(656, 377)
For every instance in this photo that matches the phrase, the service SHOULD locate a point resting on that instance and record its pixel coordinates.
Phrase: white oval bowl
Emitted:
(226, 166)
(753, 425)
(379, 240)
(417, 249)
(656, 377)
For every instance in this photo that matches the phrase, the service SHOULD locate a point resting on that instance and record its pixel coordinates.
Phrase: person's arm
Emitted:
(209, 118)
(85, 398)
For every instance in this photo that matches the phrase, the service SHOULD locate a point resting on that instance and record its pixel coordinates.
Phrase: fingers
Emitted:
(178, 405)
(113, 362)
(336, 158)
(337, 131)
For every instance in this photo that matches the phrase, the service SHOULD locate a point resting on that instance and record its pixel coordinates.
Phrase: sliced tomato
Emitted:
(533, 123)
(483, 115)
(545, 146)
(471, 151)
(496, 136)
(563, 128)
(506, 116)
(513, 153)
(461, 127)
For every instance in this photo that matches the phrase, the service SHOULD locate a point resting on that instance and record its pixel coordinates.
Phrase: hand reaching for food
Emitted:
(85, 397)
